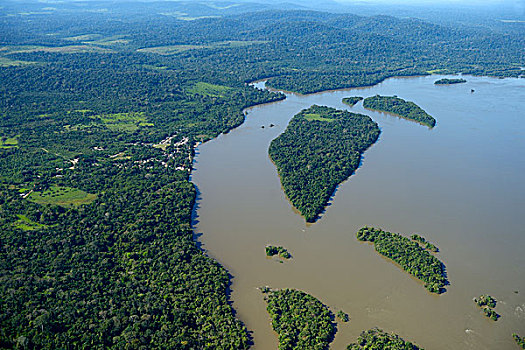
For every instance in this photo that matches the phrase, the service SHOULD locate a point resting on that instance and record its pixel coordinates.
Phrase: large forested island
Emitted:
(398, 106)
(301, 321)
(320, 148)
(102, 104)
(409, 254)
(378, 339)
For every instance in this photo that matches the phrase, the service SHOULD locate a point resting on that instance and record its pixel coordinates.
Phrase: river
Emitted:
(460, 185)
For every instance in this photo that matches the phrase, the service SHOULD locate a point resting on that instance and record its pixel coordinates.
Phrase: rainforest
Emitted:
(107, 110)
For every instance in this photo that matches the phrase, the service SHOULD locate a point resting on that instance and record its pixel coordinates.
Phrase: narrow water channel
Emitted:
(460, 185)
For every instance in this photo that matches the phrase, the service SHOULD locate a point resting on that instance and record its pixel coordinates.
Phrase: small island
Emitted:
(279, 251)
(300, 320)
(351, 101)
(413, 258)
(378, 339)
(519, 340)
(320, 148)
(343, 316)
(486, 300)
(487, 303)
(404, 109)
(446, 81)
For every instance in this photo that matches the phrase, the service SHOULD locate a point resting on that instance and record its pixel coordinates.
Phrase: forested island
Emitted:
(351, 101)
(411, 256)
(320, 148)
(398, 106)
(487, 304)
(300, 320)
(519, 340)
(102, 107)
(446, 81)
(378, 339)
(485, 300)
(272, 250)
(343, 316)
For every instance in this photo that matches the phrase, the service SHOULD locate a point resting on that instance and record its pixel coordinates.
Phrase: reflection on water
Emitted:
(460, 185)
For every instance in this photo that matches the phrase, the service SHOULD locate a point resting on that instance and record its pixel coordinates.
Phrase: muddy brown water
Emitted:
(460, 185)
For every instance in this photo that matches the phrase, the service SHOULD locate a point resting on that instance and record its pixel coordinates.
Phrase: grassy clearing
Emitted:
(175, 49)
(76, 49)
(313, 116)
(8, 142)
(62, 196)
(437, 71)
(207, 89)
(126, 122)
(12, 49)
(98, 39)
(120, 156)
(25, 224)
(110, 41)
(6, 62)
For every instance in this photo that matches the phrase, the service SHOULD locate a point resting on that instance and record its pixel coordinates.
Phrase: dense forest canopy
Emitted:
(320, 148)
(300, 320)
(101, 106)
(378, 339)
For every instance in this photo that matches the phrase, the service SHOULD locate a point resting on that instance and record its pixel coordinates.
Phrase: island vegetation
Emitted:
(487, 304)
(376, 338)
(423, 242)
(352, 100)
(102, 107)
(320, 148)
(300, 320)
(446, 81)
(412, 258)
(398, 106)
(485, 300)
(519, 340)
(343, 316)
(493, 315)
(277, 250)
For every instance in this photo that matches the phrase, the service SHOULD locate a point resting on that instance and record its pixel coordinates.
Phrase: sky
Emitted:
(519, 3)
